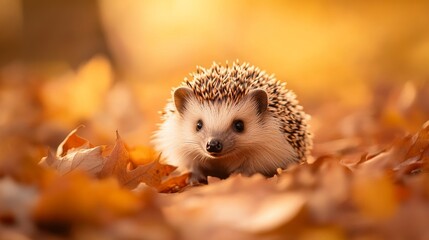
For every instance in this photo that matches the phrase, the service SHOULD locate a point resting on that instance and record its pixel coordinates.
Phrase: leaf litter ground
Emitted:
(368, 179)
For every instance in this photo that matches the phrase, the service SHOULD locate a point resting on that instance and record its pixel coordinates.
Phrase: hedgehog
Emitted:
(232, 120)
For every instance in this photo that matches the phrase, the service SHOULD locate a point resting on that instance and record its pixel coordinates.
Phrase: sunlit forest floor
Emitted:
(84, 93)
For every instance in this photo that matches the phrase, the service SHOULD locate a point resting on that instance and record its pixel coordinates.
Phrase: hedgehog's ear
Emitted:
(261, 99)
(181, 95)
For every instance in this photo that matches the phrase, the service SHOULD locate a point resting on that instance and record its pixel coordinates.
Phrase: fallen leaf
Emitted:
(75, 153)
(375, 195)
(89, 160)
(77, 95)
(118, 165)
(407, 156)
(174, 184)
(72, 142)
(323, 233)
(16, 202)
(141, 155)
(75, 199)
(251, 205)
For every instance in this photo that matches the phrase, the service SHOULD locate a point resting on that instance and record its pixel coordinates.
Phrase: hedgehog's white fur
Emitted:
(261, 148)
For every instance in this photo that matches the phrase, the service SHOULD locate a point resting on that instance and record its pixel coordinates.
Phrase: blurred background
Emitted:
(111, 64)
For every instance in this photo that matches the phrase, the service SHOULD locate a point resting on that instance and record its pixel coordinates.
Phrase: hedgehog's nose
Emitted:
(214, 146)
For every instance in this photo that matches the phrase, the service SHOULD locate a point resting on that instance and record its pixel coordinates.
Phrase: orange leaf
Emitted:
(174, 184)
(327, 232)
(141, 155)
(118, 164)
(419, 143)
(77, 95)
(73, 153)
(71, 142)
(409, 155)
(375, 195)
(77, 199)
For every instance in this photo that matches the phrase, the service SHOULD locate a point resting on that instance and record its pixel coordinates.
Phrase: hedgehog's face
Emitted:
(217, 129)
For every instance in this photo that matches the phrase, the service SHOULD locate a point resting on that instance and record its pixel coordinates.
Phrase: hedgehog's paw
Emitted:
(197, 179)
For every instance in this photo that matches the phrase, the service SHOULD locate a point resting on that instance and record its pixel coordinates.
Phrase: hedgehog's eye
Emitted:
(199, 125)
(238, 125)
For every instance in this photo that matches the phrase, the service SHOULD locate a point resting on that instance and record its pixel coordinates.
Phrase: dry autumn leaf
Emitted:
(16, 202)
(252, 205)
(72, 142)
(141, 155)
(82, 92)
(366, 188)
(174, 184)
(75, 199)
(407, 156)
(118, 164)
(75, 153)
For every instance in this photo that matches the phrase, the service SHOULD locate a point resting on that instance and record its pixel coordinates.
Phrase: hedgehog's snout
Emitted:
(214, 146)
